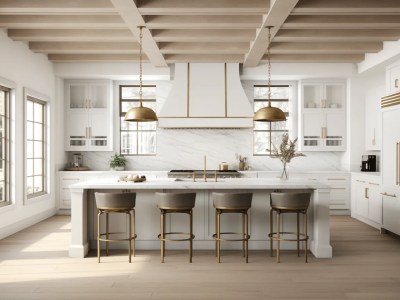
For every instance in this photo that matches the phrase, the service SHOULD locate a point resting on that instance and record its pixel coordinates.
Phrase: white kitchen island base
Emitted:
(84, 224)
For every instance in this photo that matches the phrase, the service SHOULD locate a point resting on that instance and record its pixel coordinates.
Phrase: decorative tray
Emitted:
(131, 178)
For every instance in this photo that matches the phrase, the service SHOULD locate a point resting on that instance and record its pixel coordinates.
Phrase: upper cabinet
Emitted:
(322, 116)
(88, 115)
(393, 78)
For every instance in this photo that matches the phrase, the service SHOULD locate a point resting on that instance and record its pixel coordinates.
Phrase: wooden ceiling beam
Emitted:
(203, 35)
(315, 58)
(204, 48)
(85, 47)
(71, 35)
(95, 58)
(342, 22)
(132, 17)
(336, 35)
(198, 58)
(203, 22)
(61, 22)
(326, 48)
(207, 7)
(56, 7)
(347, 7)
(277, 14)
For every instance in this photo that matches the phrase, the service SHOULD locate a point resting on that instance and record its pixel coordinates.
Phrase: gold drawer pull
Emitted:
(389, 195)
(373, 183)
(336, 178)
(360, 181)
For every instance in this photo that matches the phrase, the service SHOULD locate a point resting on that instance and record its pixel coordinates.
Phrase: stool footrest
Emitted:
(245, 238)
(116, 240)
(191, 237)
(302, 236)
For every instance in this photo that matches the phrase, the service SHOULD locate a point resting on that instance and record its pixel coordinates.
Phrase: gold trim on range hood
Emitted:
(223, 120)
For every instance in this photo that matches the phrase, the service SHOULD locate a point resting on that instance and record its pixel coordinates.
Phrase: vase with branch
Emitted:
(286, 152)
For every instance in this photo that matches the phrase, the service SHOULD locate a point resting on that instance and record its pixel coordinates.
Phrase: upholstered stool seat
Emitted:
(175, 203)
(282, 203)
(232, 203)
(116, 203)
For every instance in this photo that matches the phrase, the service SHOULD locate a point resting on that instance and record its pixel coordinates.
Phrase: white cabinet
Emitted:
(391, 168)
(373, 121)
(322, 116)
(64, 194)
(393, 78)
(366, 199)
(88, 115)
(339, 184)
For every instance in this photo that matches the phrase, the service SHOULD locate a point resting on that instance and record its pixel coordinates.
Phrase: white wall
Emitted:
(185, 148)
(25, 69)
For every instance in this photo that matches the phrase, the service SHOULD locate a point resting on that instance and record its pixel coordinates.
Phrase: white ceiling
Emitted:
(337, 31)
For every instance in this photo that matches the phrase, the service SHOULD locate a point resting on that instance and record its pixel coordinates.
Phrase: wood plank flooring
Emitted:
(34, 264)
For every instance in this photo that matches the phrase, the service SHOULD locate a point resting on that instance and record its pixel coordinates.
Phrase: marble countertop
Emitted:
(231, 183)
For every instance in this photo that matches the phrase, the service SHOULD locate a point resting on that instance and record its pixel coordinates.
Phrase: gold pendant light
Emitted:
(141, 113)
(269, 113)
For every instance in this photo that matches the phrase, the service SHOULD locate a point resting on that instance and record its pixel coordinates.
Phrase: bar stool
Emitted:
(175, 203)
(232, 203)
(289, 203)
(116, 203)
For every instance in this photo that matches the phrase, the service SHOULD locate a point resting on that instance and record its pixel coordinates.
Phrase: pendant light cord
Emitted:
(269, 66)
(140, 66)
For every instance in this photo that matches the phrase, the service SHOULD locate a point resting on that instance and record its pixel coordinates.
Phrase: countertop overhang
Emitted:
(231, 183)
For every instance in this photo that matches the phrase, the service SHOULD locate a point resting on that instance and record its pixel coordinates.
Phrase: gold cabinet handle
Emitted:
(389, 195)
(337, 179)
(366, 193)
(396, 83)
(372, 183)
(360, 181)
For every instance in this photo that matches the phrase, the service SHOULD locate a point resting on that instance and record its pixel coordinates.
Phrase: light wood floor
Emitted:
(34, 264)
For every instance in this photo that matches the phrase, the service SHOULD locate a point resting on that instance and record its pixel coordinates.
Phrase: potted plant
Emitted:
(118, 162)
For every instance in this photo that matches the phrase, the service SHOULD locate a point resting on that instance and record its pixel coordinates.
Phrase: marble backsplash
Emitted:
(185, 149)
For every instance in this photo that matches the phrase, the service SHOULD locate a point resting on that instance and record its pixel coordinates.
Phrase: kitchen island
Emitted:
(84, 225)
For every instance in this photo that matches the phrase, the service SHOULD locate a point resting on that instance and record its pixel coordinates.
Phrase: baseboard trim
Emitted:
(25, 223)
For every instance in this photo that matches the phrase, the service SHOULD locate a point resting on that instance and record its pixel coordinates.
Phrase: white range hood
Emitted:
(206, 95)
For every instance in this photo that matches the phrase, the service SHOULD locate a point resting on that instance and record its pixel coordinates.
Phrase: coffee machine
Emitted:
(368, 163)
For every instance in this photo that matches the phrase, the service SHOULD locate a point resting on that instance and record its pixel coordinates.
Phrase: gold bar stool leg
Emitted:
(162, 235)
(107, 233)
(191, 239)
(129, 236)
(306, 233)
(243, 235)
(134, 232)
(247, 236)
(219, 236)
(271, 231)
(216, 231)
(298, 235)
(98, 235)
(278, 229)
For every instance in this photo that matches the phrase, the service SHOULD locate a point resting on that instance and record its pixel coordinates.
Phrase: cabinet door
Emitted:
(77, 130)
(391, 147)
(99, 130)
(393, 79)
(334, 95)
(77, 95)
(373, 120)
(312, 130)
(335, 132)
(375, 203)
(361, 198)
(64, 201)
(312, 94)
(99, 95)
(391, 211)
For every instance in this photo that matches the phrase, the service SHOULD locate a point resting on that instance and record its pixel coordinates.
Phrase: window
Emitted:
(267, 134)
(137, 138)
(5, 146)
(35, 147)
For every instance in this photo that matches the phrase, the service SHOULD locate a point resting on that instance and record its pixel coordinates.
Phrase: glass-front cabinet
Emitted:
(88, 115)
(322, 116)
